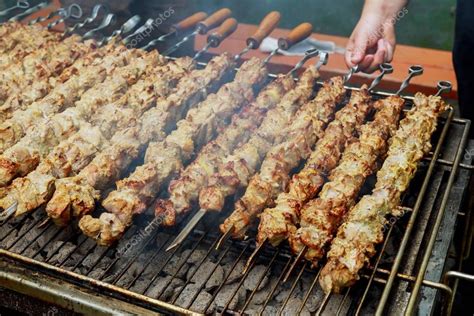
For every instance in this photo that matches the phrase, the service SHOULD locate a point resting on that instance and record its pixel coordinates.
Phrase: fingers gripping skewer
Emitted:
(182, 26)
(73, 11)
(109, 19)
(95, 13)
(351, 72)
(19, 5)
(298, 34)
(203, 27)
(268, 24)
(29, 11)
(213, 40)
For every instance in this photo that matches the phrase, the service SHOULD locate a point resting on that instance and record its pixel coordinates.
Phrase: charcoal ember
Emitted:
(293, 306)
(254, 276)
(187, 296)
(62, 253)
(164, 287)
(260, 296)
(176, 263)
(73, 260)
(197, 256)
(200, 303)
(236, 273)
(225, 295)
(131, 274)
(208, 272)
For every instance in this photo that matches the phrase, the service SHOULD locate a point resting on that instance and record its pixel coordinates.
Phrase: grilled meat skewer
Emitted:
(275, 171)
(26, 37)
(164, 158)
(363, 226)
(73, 154)
(320, 218)
(185, 190)
(30, 79)
(89, 71)
(25, 155)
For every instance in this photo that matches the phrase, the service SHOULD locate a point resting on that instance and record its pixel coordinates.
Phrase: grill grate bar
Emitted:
(293, 287)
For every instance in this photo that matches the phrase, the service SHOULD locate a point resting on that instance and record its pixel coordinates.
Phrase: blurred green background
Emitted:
(429, 23)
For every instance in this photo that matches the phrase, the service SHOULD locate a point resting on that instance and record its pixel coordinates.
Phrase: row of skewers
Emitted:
(76, 115)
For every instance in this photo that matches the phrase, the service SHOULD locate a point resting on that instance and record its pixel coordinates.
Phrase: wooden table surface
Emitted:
(437, 64)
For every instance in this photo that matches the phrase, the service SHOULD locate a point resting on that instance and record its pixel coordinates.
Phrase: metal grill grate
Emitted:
(196, 277)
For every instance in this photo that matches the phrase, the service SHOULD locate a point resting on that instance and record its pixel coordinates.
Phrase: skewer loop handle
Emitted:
(444, 86)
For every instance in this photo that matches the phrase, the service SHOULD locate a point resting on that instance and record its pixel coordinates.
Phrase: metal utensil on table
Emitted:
(21, 4)
(184, 25)
(203, 27)
(94, 14)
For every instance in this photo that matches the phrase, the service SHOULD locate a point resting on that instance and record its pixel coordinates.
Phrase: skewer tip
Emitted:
(224, 237)
(187, 229)
(295, 263)
(7, 213)
(252, 257)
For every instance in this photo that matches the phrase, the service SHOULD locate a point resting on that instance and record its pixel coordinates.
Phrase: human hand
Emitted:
(372, 42)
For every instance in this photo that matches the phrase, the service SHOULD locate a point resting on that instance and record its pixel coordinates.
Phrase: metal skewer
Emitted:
(73, 11)
(444, 87)
(108, 20)
(175, 29)
(203, 27)
(413, 71)
(127, 27)
(59, 12)
(19, 5)
(213, 40)
(351, 72)
(29, 11)
(268, 24)
(146, 26)
(94, 14)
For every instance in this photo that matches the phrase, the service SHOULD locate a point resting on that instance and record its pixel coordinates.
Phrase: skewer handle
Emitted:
(228, 27)
(268, 24)
(189, 22)
(213, 20)
(444, 86)
(296, 35)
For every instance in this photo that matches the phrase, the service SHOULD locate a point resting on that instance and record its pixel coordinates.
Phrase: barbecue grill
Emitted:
(138, 276)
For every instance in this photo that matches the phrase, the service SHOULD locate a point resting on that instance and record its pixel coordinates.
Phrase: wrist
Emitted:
(383, 9)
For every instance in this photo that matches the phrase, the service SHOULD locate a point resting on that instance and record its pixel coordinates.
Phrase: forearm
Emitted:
(383, 8)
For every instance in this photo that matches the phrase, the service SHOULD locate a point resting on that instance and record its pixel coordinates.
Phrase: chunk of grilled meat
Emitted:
(184, 191)
(320, 218)
(362, 229)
